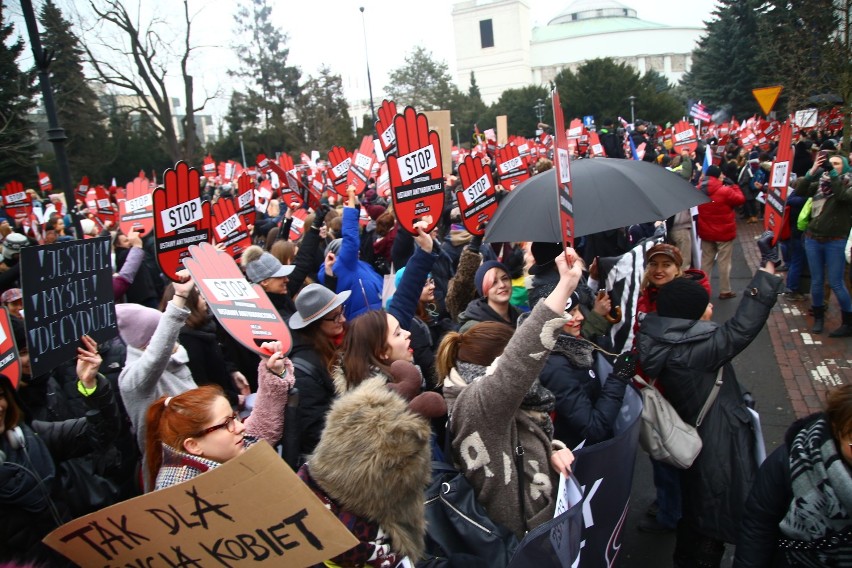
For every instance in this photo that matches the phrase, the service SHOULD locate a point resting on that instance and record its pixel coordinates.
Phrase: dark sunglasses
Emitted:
(229, 423)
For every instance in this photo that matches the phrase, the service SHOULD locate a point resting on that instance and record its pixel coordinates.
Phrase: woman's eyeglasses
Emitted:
(230, 424)
(334, 318)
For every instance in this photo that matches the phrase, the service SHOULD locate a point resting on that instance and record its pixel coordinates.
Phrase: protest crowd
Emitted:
(414, 339)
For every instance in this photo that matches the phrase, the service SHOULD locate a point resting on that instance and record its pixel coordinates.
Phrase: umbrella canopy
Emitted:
(608, 193)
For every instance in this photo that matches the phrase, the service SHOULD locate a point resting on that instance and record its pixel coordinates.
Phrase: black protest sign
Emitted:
(67, 289)
(251, 510)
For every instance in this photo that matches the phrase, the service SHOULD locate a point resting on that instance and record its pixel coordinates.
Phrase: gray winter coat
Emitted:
(685, 355)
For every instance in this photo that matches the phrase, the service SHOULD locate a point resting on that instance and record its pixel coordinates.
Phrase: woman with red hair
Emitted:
(197, 430)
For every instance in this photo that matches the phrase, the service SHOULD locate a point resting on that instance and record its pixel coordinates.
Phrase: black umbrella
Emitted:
(608, 193)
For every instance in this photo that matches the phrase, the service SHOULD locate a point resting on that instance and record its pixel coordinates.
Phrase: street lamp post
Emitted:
(631, 98)
(367, 60)
(242, 148)
(539, 110)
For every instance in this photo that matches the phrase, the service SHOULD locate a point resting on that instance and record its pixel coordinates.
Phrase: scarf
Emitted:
(579, 353)
(538, 403)
(822, 486)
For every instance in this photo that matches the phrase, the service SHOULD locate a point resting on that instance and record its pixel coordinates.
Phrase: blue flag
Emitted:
(708, 158)
(632, 148)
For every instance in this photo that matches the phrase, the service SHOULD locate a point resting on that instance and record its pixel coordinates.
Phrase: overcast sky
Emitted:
(329, 32)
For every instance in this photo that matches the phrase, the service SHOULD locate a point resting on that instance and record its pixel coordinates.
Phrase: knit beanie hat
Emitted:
(12, 245)
(482, 270)
(682, 298)
(543, 253)
(136, 323)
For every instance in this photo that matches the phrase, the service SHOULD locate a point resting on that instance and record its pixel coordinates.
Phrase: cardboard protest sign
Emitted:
(229, 227)
(17, 202)
(779, 179)
(137, 209)
(245, 198)
(511, 167)
(180, 217)
(228, 171)
(58, 201)
(10, 363)
(578, 134)
(314, 193)
(362, 165)
(209, 167)
(340, 161)
(416, 175)
(67, 289)
(263, 163)
(684, 137)
(385, 129)
(477, 199)
(243, 309)
(250, 510)
(562, 165)
(291, 194)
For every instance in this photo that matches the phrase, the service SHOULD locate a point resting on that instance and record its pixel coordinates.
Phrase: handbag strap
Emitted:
(714, 392)
(711, 398)
(519, 465)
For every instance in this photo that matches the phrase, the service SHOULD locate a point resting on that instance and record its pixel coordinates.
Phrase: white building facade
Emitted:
(494, 40)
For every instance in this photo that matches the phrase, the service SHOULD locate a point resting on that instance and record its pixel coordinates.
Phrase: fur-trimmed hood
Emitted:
(374, 460)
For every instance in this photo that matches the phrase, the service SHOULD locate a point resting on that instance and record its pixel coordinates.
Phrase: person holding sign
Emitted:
(198, 430)
(352, 274)
(829, 185)
(499, 413)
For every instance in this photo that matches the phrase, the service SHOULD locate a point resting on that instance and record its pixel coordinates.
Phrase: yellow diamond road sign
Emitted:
(767, 97)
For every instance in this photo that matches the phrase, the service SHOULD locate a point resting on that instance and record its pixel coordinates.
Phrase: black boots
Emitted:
(845, 329)
(819, 319)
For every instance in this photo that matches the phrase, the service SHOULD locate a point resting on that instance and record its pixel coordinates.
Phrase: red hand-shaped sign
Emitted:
(245, 198)
(779, 178)
(209, 167)
(596, 149)
(17, 201)
(243, 309)
(137, 209)
(684, 137)
(384, 128)
(103, 209)
(229, 228)
(291, 194)
(82, 189)
(340, 161)
(362, 165)
(477, 198)
(180, 218)
(511, 167)
(416, 174)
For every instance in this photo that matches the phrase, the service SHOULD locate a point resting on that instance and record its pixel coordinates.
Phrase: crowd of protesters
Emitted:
(455, 353)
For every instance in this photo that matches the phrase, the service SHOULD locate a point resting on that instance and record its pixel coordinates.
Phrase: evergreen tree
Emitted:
(322, 113)
(519, 107)
(421, 82)
(725, 65)
(601, 87)
(17, 99)
(271, 86)
(76, 102)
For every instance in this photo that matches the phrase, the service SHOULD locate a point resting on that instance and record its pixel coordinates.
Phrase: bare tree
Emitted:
(140, 65)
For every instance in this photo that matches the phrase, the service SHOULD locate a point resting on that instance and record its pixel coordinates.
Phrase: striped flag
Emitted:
(622, 277)
(699, 111)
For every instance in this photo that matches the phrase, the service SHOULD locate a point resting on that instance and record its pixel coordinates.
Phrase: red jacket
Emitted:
(717, 221)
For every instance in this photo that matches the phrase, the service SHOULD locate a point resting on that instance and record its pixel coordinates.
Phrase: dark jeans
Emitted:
(667, 482)
(795, 259)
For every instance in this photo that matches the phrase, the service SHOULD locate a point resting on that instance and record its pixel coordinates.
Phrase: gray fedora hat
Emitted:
(313, 302)
(267, 266)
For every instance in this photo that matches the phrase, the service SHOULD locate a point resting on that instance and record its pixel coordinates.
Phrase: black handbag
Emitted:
(457, 525)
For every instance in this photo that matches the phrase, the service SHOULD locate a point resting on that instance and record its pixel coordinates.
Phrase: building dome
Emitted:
(591, 10)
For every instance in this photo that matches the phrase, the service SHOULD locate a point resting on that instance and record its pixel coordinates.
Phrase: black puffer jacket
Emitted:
(316, 391)
(585, 409)
(685, 355)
